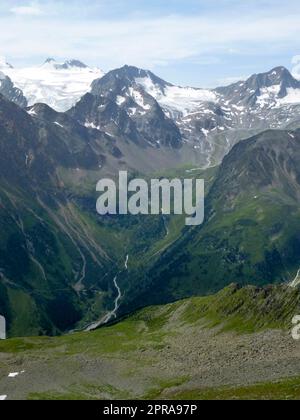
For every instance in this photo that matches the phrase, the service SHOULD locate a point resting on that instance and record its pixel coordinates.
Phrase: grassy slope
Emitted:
(288, 389)
(131, 341)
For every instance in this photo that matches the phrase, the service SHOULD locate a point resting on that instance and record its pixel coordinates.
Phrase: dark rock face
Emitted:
(12, 93)
(119, 106)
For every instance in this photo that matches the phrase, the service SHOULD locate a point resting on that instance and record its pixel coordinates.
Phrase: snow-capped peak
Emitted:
(49, 64)
(73, 64)
(50, 60)
(59, 85)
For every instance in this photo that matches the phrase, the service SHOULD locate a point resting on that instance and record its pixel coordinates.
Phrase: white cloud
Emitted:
(143, 41)
(31, 9)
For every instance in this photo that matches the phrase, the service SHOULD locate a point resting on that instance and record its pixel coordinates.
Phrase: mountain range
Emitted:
(62, 266)
(137, 105)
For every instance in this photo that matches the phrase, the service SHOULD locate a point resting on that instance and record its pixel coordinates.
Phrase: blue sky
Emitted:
(190, 42)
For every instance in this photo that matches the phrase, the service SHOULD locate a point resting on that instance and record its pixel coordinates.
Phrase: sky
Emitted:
(202, 43)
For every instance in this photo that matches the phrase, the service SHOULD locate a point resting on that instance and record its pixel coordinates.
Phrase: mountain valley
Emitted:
(242, 139)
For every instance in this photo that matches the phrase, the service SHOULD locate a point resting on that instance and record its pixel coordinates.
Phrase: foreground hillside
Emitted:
(232, 345)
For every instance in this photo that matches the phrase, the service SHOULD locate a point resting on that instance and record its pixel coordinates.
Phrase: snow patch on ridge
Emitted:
(138, 98)
(293, 97)
(120, 100)
(88, 124)
(268, 94)
(59, 125)
(177, 99)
